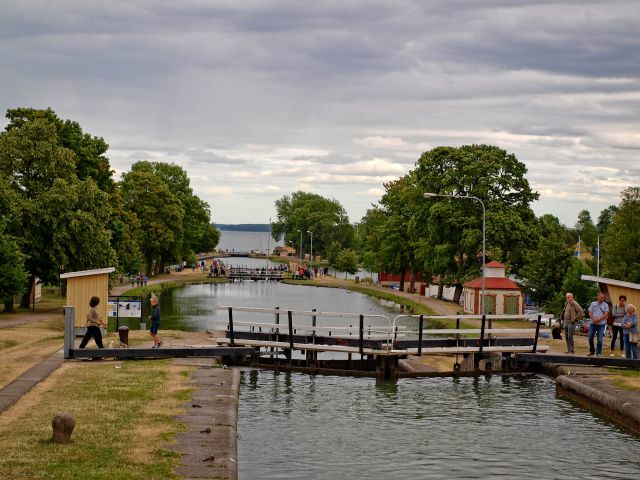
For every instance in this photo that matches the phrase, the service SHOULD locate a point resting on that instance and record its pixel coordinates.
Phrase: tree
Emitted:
(547, 263)
(587, 230)
(302, 212)
(159, 212)
(59, 220)
(622, 241)
(606, 218)
(400, 206)
(89, 151)
(13, 277)
(584, 292)
(452, 235)
(346, 261)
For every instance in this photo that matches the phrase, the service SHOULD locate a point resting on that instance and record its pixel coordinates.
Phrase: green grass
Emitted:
(107, 403)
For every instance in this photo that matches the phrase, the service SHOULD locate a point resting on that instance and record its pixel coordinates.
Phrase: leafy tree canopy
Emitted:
(452, 238)
(303, 212)
(621, 259)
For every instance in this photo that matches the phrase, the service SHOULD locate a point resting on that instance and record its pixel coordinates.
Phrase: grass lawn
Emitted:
(23, 346)
(124, 415)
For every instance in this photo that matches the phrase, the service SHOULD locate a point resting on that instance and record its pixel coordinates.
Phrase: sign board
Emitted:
(125, 308)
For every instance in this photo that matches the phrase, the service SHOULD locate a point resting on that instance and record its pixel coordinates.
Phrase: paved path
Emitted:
(25, 382)
(208, 447)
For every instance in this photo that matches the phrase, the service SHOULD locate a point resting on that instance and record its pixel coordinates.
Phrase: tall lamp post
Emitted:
(300, 231)
(484, 225)
(311, 256)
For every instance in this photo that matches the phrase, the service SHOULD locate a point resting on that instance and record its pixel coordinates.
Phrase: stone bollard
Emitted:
(63, 424)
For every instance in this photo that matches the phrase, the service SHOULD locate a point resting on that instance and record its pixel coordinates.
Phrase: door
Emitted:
(511, 305)
(489, 304)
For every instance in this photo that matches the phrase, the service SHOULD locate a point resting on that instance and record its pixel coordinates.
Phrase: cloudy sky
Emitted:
(257, 99)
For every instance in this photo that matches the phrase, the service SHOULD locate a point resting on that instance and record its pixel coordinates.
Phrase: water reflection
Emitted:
(356, 428)
(194, 307)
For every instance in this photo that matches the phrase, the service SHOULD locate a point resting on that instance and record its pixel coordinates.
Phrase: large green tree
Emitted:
(159, 212)
(452, 246)
(547, 263)
(60, 221)
(622, 241)
(401, 231)
(89, 151)
(303, 212)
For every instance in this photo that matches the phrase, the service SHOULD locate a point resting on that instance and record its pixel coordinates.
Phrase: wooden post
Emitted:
(420, 327)
(69, 329)
(535, 340)
(231, 325)
(361, 335)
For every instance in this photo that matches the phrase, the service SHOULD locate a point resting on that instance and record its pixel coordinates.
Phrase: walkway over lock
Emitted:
(383, 340)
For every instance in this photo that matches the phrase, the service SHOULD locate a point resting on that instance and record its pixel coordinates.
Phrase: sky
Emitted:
(258, 99)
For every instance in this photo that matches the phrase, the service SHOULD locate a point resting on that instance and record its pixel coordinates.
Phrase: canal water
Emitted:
(295, 426)
(194, 307)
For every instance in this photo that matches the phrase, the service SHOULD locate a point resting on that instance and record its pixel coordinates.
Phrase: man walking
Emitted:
(598, 313)
(571, 313)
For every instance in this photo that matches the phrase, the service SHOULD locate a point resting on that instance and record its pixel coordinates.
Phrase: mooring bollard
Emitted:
(63, 424)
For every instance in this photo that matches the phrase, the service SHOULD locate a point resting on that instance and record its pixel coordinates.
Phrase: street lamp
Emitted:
(311, 257)
(300, 231)
(484, 225)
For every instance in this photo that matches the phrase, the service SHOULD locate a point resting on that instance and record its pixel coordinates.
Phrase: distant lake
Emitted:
(247, 241)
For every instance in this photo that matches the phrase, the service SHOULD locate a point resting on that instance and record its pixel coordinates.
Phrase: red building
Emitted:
(502, 295)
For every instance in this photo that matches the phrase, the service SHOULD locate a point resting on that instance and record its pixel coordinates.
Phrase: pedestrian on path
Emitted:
(155, 322)
(598, 313)
(617, 312)
(630, 330)
(94, 322)
(571, 313)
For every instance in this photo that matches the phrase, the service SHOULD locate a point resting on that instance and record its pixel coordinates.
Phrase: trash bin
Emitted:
(123, 334)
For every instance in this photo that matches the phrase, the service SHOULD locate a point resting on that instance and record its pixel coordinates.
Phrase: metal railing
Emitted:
(388, 331)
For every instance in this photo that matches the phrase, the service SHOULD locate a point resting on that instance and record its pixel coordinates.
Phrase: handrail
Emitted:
(391, 329)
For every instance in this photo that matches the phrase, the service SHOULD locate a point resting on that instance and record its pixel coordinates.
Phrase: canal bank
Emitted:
(598, 390)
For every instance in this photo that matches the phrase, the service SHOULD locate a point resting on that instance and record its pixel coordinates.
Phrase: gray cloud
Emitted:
(273, 96)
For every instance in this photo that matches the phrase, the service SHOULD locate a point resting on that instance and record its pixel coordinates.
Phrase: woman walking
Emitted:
(630, 332)
(94, 322)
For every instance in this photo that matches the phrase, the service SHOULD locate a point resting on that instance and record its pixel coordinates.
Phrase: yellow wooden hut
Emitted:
(614, 288)
(83, 285)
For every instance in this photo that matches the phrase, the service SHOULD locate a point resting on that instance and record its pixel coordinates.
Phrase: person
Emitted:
(629, 329)
(155, 322)
(617, 312)
(571, 313)
(598, 313)
(94, 322)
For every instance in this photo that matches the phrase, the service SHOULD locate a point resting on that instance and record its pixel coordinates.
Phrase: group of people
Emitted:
(622, 317)
(95, 323)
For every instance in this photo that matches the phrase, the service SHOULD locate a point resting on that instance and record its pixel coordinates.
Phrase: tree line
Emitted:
(61, 209)
(440, 238)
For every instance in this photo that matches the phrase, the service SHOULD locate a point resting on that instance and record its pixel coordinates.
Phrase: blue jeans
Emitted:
(631, 349)
(593, 329)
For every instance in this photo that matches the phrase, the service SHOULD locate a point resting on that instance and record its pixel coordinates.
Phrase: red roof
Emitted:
(493, 283)
(495, 264)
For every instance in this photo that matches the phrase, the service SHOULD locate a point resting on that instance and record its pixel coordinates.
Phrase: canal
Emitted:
(293, 426)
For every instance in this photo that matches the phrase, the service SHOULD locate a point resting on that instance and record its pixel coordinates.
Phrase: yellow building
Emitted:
(83, 285)
(614, 288)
